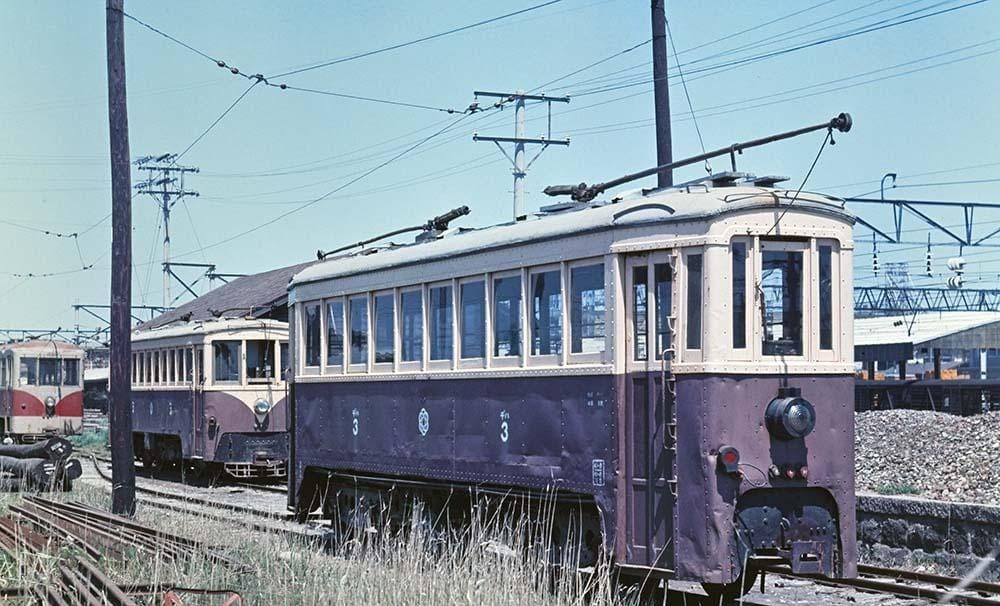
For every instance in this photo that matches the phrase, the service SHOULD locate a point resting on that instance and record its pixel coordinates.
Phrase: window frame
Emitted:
(411, 365)
(832, 354)
(751, 312)
(443, 363)
(325, 367)
(551, 359)
(496, 361)
(358, 367)
(382, 367)
(458, 331)
(240, 362)
(692, 354)
(587, 357)
(809, 318)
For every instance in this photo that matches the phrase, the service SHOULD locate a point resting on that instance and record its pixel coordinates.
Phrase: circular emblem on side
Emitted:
(423, 421)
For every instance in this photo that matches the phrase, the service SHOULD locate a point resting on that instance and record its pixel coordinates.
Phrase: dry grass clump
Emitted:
(491, 561)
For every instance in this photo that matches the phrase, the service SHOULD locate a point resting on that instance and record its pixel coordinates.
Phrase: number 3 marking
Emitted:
(504, 432)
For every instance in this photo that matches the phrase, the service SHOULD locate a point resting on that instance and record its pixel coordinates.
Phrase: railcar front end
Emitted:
(212, 394)
(676, 368)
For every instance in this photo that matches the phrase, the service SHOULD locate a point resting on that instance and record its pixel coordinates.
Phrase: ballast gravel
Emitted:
(929, 455)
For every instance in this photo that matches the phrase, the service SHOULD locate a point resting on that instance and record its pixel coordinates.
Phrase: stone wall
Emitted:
(906, 532)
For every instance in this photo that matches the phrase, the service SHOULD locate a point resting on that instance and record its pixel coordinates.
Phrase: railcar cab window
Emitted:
(411, 325)
(335, 334)
(29, 371)
(385, 330)
(739, 295)
(639, 301)
(260, 361)
(359, 330)
(473, 319)
(71, 371)
(48, 371)
(440, 309)
(507, 316)
(781, 288)
(226, 361)
(312, 334)
(546, 313)
(825, 296)
(694, 305)
(587, 309)
(663, 291)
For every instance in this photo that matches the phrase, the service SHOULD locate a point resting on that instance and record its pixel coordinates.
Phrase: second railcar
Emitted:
(212, 394)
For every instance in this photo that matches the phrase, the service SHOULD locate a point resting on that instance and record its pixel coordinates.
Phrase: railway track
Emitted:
(909, 584)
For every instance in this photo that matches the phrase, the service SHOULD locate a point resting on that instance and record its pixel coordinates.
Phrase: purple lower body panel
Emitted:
(527, 432)
(212, 425)
(806, 517)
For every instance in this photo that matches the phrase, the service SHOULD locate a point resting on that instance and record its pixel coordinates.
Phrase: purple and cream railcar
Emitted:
(212, 393)
(533, 356)
(41, 390)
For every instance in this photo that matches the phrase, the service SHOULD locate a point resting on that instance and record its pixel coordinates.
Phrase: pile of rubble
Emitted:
(930, 455)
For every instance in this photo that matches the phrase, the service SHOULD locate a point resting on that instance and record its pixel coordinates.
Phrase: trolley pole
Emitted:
(520, 140)
(122, 459)
(661, 95)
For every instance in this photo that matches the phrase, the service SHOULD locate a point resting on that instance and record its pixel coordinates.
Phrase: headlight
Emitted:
(50, 404)
(261, 407)
(790, 418)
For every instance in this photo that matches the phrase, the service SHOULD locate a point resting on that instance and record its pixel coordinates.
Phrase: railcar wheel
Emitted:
(719, 593)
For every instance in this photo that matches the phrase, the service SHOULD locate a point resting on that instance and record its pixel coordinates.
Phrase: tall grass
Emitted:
(490, 559)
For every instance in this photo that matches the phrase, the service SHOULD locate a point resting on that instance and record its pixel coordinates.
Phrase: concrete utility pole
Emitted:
(519, 140)
(122, 457)
(167, 189)
(661, 95)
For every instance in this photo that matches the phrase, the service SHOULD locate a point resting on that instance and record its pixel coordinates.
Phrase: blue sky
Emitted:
(922, 95)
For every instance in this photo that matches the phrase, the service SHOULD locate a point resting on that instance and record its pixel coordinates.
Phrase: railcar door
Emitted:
(197, 381)
(649, 462)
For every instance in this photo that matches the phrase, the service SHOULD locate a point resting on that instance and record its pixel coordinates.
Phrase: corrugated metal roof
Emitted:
(261, 295)
(694, 203)
(927, 328)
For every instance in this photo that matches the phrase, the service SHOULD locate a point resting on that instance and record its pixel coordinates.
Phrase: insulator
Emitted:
(955, 282)
(875, 265)
(956, 264)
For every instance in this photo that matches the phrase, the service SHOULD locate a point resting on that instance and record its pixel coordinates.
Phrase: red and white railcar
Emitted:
(41, 390)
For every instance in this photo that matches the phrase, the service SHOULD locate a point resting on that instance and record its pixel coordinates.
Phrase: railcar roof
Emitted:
(209, 327)
(43, 347)
(695, 202)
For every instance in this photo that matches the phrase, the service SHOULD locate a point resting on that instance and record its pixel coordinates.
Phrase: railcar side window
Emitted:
(335, 333)
(135, 367)
(694, 310)
(260, 361)
(169, 376)
(781, 283)
(71, 372)
(440, 323)
(385, 334)
(639, 328)
(473, 343)
(546, 313)
(156, 367)
(507, 317)
(359, 330)
(587, 307)
(189, 365)
(825, 297)
(739, 295)
(148, 368)
(226, 360)
(312, 334)
(411, 325)
(662, 278)
(286, 362)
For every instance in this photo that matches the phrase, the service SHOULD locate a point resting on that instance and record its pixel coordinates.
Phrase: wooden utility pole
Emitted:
(122, 458)
(661, 95)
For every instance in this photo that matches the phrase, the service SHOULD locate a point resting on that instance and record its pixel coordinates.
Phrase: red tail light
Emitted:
(729, 459)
